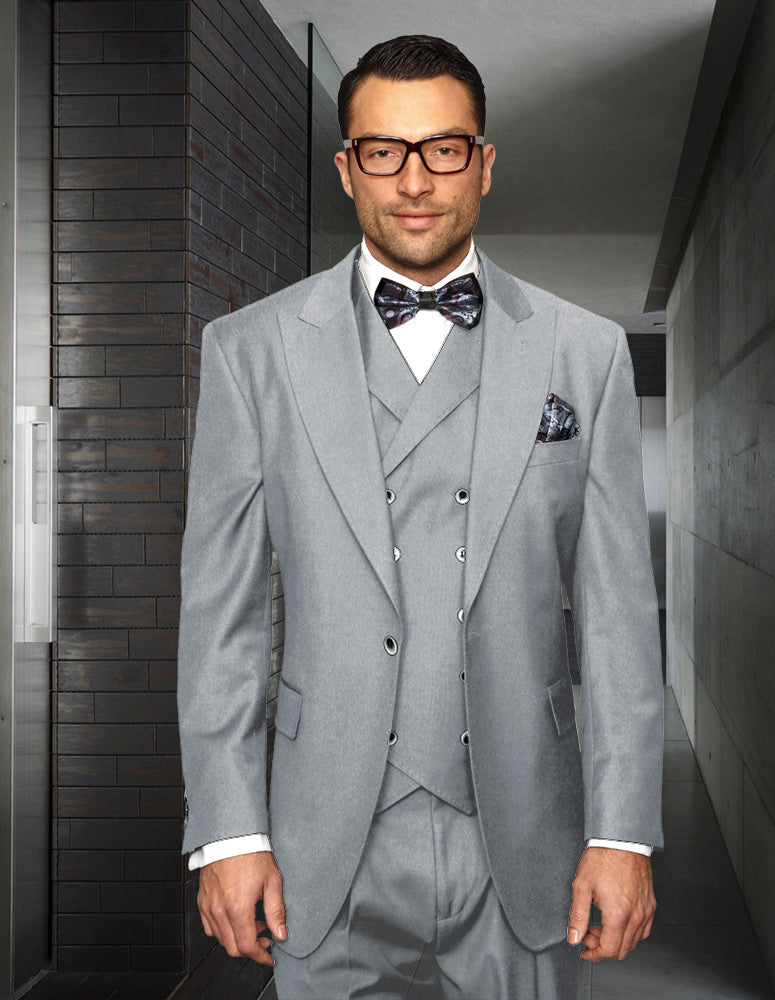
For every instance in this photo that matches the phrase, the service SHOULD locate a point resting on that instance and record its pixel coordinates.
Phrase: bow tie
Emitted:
(460, 300)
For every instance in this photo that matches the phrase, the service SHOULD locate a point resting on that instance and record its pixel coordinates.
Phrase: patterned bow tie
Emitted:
(460, 300)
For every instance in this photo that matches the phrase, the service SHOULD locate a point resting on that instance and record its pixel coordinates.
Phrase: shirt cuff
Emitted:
(228, 848)
(621, 845)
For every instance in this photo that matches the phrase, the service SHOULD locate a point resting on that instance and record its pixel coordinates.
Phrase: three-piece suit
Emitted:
(423, 533)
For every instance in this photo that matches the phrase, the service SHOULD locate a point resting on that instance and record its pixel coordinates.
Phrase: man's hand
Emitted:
(619, 884)
(228, 892)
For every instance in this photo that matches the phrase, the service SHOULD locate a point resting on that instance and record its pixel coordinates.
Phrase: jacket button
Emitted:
(396, 552)
(464, 738)
(460, 615)
(392, 738)
(462, 496)
(462, 676)
(391, 646)
(461, 553)
(390, 496)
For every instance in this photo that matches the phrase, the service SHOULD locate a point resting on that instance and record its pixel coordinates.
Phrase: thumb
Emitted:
(274, 908)
(578, 921)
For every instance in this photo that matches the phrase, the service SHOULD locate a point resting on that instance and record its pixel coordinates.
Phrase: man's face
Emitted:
(416, 222)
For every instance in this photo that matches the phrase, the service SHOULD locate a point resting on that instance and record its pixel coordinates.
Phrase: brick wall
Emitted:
(247, 238)
(169, 210)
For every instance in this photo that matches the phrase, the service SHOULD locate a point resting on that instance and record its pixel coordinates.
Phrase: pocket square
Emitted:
(558, 422)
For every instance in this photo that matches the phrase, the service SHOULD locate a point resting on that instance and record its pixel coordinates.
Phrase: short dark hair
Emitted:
(412, 57)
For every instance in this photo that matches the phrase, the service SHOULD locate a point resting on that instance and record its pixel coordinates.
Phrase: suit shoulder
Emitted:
(259, 319)
(577, 328)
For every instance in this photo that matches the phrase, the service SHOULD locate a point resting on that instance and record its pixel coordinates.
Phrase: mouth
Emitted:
(416, 220)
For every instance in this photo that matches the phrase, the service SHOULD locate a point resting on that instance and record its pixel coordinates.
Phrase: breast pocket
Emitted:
(288, 710)
(545, 453)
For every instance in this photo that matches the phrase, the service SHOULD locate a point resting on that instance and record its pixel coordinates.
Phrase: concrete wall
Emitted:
(721, 464)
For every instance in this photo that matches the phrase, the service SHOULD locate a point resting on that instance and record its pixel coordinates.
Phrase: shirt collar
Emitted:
(372, 270)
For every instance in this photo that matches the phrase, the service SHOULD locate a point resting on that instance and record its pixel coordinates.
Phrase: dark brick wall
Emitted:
(119, 297)
(180, 186)
(247, 238)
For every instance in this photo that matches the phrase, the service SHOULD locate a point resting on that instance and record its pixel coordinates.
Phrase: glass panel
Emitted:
(333, 223)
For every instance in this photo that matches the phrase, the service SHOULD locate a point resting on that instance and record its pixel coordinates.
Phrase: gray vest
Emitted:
(425, 434)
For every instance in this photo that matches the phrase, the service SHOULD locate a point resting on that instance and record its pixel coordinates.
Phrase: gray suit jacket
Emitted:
(285, 457)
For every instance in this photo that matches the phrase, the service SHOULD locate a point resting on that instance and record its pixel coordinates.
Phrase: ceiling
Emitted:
(588, 106)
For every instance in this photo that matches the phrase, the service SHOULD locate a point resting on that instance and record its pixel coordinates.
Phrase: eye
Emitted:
(375, 150)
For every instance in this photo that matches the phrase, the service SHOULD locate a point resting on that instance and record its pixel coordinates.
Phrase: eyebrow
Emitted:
(382, 135)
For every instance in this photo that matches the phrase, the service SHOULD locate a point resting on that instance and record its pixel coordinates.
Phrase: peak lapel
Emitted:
(325, 364)
(517, 351)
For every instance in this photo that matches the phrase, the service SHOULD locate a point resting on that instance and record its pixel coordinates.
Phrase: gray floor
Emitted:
(701, 946)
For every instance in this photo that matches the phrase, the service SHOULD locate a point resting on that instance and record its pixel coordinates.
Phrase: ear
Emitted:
(343, 165)
(488, 158)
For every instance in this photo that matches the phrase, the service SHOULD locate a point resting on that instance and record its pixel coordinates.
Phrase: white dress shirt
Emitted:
(419, 340)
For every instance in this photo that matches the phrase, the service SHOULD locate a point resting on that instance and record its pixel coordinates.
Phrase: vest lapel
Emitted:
(452, 378)
(388, 376)
(325, 365)
(517, 351)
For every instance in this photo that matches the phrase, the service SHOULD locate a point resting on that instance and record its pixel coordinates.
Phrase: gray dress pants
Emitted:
(422, 921)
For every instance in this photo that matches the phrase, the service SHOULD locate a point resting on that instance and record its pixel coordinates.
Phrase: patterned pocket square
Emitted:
(558, 422)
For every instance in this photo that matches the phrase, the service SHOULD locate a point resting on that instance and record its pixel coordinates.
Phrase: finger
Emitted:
(614, 926)
(274, 908)
(245, 929)
(648, 920)
(649, 924)
(263, 944)
(592, 945)
(631, 933)
(204, 913)
(578, 919)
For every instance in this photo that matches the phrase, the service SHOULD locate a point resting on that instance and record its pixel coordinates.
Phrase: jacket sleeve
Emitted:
(615, 613)
(224, 645)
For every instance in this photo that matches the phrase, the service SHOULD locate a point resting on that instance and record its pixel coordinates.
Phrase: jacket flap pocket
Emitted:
(288, 710)
(561, 702)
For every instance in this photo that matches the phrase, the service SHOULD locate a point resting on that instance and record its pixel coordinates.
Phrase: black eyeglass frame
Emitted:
(414, 147)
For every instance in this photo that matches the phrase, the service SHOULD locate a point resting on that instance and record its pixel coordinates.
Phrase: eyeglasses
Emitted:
(386, 155)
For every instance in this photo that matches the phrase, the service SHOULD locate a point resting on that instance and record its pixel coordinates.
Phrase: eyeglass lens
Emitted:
(443, 155)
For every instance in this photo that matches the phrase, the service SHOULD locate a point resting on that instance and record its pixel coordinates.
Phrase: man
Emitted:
(429, 466)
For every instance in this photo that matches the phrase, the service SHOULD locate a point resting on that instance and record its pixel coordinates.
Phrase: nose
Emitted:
(415, 180)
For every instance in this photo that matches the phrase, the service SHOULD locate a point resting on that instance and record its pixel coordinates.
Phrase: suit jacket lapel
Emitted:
(325, 364)
(517, 351)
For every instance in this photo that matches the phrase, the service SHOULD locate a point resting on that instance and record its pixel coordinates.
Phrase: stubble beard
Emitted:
(431, 252)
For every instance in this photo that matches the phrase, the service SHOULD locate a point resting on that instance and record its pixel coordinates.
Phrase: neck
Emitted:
(423, 274)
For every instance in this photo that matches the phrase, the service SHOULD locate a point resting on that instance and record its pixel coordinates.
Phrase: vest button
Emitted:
(464, 739)
(460, 615)
(392, 738)
(390, 496)
(461, 553)
(396, 553)
(391, 646)
(462, 496)
(462, 676)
